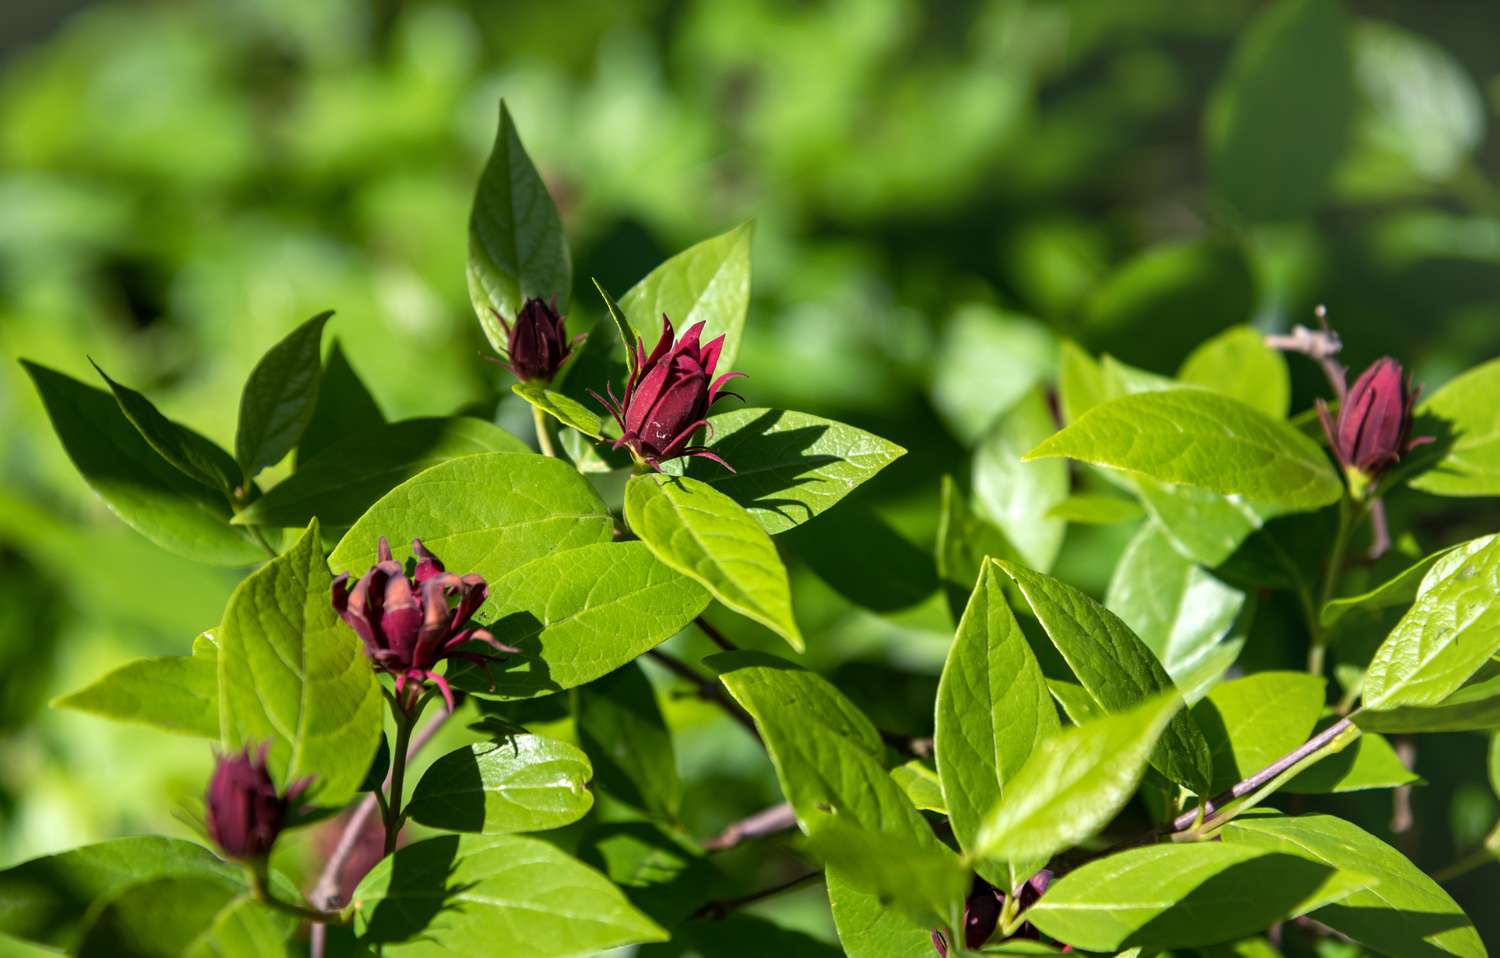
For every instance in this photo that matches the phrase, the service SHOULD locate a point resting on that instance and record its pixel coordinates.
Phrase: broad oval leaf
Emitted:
(337, 485)
(579, 614)
(516, 895)
(525, 783)
(1198, 438)
(343, 398)
(517, 249)
(621, 726)
(279, 398)
(1016, 494)
(1401, 912)
(143, 489)
(1203, 525)
(709, 537)
(175, 693)
(186, 917)
(489, 514)
(293, 675)
(1239, 364)
(708, 283)
(1469, 409)
(1251, 722)
(1451, 630)
(1115, 667)
(790, 466)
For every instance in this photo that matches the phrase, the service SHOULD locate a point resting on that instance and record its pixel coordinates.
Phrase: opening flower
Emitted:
(410, 625)
(1373, 428)
(537, 343)
(668, 396)
(242, 812)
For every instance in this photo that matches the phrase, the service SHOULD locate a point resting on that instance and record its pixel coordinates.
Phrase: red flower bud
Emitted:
(242, 812)
(1373, 428)
(668, 396)
(538, 342)
(983, 907)
(409, 625)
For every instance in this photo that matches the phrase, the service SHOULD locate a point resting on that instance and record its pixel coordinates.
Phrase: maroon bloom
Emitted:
(538, 342)
(983, 907)
(241, 809)
(1373, 428)
(410, 625)
(668, 396)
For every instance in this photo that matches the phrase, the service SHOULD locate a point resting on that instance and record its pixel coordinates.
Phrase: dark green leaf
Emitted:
(279, 398)
(185, 917)
(707, 283)
(344, 405)
(659, 871)
(191, 453)
(627, 336)
(524, 783)
(621, 726)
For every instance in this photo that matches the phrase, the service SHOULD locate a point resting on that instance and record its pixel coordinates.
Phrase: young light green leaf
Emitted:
(707, 283)
(1073, 783)
(517, 249)
(186, 917)
(1081, 384)
(294, 676)
(1239, 364)
(1399, 589)
(525, 783)
(175, 693)
(1451, 630)
(1007, 352)
(516, 895)
(1369, 762)
(1183, 896)
(579, 614)
(921, 785)
(710, 538)
(789, 466)
(488, 513)
(1401, 912)
(1202, 525)
(1096, 510)
(1469, 409)
(279, 398)
(1115, 667)
(1180, 611)
(621, 726)
(1198, 438)
(569, 412)
(1017, 494)
(338, 484)
(964, 541)
(143, 489)
(1472, 708)
(993, 709)
(1252, 721)
(191, 453)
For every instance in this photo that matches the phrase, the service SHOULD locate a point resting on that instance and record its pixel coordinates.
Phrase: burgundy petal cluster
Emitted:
(410, 625)
(668, 396)
(242, 811)
(537, 343)
(983, 907)
(1373, 428)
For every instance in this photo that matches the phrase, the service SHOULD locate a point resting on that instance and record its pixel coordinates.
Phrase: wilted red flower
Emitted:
(242, 812)
(668, 396)
(410, 625)
(1373, 428)
(538, 342)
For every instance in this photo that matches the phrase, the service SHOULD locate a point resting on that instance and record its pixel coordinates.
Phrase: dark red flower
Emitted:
(983, 907)
(410, 625)
(1373, 428)
(668, 396)
(538, 342)
(242, 812)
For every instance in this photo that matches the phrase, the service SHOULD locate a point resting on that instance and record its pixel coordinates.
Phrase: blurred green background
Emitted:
(941, 191)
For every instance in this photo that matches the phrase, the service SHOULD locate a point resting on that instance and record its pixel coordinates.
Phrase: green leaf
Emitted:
(867, 928)
(1114, 667)
(579, 614)
(964, 541)
(1198, 438)
(524, 783)
(1402, 913)
(1006, 352)
(993, 710)
(1096, 510)
(344, 405)
(1369, 762)
(707, 536)
(569, 412)
(627, 335)
(1183, 896)
(742, 935)
(1451, 630)
(662, 873)
(1202, 525)
(293, 675)
(1253, 721)
(183, 917)
(621, 726)
(489, 514)
(707, 283)
(1081, 384)
(1239, 364)
(1472, 708)
(925, 882)
(338, 484)
(1179, 610)
(517, 249)
(1468, 409)
(1017, 494)
(921, 785)
(279, 398)
(137, 484)
(1399, 589)
(789, 466)
(1279, 122)
(191, 453)
(1073, 784)
(175, 693)
(44, 899)
(510, 893)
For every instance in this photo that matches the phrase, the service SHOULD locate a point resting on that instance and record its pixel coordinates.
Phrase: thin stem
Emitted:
(260, 540)
(707, 690)
(770, 821)
(543, 435)
(260, 890)
(718, 909)
(1478, 858)
(715, 635)
(404, 723)
(1349, 516)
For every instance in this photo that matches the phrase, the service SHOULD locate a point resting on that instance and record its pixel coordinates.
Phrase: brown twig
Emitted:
(770, 821)
(1322, 346)
(719, 909)
(707, 689)
(718, 638)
